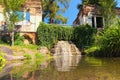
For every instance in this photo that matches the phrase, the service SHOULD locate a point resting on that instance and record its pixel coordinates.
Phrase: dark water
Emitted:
(63, 68)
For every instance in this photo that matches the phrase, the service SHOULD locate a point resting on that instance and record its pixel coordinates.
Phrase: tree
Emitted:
(52, 10)
(93, 2)
(86, 2)
(108, 10)
(11, 17)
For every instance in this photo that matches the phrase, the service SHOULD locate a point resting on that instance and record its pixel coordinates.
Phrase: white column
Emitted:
(84, 19)
(95, 24)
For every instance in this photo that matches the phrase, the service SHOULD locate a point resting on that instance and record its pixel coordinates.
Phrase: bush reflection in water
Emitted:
(64, 68)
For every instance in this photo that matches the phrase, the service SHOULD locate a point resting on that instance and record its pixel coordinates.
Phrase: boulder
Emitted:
(44, 50)
(10, 57)
(9, 54)
(6, 50)
(65, 48)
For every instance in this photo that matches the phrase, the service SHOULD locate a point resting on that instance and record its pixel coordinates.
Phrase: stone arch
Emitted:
(27, 38)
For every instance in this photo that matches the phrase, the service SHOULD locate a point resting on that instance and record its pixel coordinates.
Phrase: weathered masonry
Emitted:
(32, 13)
(90, 14)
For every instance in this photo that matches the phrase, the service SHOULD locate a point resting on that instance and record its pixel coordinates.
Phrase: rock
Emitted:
(44, 50)
(8, 68)
(26, 42)
(65, 48)
(9, 54)
(10, 57)
(6, 50)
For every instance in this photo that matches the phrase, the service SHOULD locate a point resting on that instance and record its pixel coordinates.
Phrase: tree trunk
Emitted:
(12, 38)
(43, 17)
(51, 21)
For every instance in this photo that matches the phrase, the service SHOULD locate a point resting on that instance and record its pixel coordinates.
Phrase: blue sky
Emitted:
(72, 11)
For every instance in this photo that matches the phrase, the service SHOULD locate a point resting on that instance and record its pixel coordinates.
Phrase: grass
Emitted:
(29, 51)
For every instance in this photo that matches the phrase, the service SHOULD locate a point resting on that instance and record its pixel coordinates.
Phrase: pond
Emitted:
(63, 68)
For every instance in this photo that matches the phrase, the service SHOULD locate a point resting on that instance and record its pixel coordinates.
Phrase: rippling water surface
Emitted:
(63, 68)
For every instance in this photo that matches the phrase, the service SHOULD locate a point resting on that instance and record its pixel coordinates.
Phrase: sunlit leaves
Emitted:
(52, 10)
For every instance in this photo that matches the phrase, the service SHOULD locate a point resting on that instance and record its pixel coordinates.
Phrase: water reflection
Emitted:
(6, 70)
(65, 68)
(66, 62)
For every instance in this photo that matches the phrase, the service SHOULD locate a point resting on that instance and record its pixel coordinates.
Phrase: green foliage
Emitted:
(83, 36)
(11, 17)
(38, 56)
(92, 51)
(109, 42)
(52, 10)
(108, 11)
(28, 56)
(18, 39)
(93, 2)
(30, 46)
(10, 8)
(48, 35)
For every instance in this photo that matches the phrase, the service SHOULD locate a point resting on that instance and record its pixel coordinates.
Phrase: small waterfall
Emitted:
(69, 55)
(66, 48)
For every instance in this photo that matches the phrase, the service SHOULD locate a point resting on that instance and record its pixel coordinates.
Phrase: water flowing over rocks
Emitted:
(66, 48)
(66, 54)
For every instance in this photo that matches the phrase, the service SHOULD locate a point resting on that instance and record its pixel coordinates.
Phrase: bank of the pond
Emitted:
(25, 52)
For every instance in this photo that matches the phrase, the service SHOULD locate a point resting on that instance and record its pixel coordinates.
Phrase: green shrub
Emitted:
(18, 39)
(83, 36)
(92, 51)
(48, 35)
(109, 43)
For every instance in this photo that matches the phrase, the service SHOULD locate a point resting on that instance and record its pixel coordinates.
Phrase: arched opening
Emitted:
(28, 39)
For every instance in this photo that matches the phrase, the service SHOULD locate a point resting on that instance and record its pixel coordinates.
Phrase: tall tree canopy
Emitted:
(52, 10)
(93, 2)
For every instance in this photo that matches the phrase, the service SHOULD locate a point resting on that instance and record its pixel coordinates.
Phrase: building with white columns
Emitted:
(90, 14)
